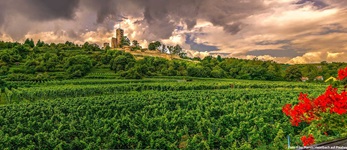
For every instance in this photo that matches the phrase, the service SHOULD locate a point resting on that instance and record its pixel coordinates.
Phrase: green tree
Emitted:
(40, 43)
(29, 42)
(157, 44)
(154, 45)
(219, 58)
(30, 65)
(177, 49)
(132, 73)
(107, 47)
(21, 50)
(5, 57)
(198, 71)
(151, 46)
(293, 73)
(125, 41)
(78, 66)
(52, 62)
(183, 55)
(310, 71)
(217, 72)
(86, 45)
(135, 45)
(122, 62)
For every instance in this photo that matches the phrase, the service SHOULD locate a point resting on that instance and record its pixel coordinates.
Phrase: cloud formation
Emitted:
(287, 31)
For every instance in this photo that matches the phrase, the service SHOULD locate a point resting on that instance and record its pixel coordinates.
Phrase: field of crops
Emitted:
(149, 114)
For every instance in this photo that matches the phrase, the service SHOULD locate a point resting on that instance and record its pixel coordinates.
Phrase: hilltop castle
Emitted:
(116, 42)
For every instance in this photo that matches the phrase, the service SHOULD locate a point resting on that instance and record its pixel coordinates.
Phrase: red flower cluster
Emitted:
(342, 74)
(308, 110)
(307, 140)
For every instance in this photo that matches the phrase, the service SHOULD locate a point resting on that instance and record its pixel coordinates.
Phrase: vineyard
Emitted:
(153, 113)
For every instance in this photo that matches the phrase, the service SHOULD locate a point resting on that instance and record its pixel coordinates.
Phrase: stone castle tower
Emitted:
(116, 42)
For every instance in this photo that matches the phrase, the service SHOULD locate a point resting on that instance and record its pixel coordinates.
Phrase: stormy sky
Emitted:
(287, 31)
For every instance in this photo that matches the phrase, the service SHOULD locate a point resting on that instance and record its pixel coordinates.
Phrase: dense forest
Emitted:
(43, 61)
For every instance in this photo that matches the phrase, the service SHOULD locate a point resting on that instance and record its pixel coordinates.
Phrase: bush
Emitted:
(131, 74)
(78, 66)
(122, 63)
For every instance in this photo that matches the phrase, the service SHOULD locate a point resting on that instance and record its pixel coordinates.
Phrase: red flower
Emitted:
(308, 110)
(307, 140)
(342, 73)
(286, 109)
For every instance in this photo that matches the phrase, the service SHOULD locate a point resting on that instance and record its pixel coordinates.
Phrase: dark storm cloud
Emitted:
(103, 8)
(1, 16)
(43, 10)
(190, 23)
(160, 16)
(234, 28)
(18, 17)
(199, 46)
(2, 12)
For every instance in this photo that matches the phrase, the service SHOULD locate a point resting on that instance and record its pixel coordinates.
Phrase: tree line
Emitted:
(43, 61)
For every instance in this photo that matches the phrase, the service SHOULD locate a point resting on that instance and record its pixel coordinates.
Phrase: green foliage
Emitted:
(78, 66)
(132, 73)
(166, 114)
(19, 77)
(40, 43)
(86, 46)
(177, 49)
(135, 46)
(29, 42)
(198, 71)
(107, 47)
(51, 58)
(4, 70)
(30, 66)
(122, 62)
(293, 73)
(154, 45)
(217, 72)
(52, 62)
(5, 57)
(3, 84)
(125, 41)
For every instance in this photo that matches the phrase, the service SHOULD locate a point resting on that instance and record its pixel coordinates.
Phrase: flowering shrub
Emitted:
(309, 110)
(342, 74)
(307, 140)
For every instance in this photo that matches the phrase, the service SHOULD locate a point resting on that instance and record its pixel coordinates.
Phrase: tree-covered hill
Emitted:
(43, 61)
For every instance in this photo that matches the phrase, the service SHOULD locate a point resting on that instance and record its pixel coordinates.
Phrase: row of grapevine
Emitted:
(83, 82)
(202, 119)
(84, 89)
